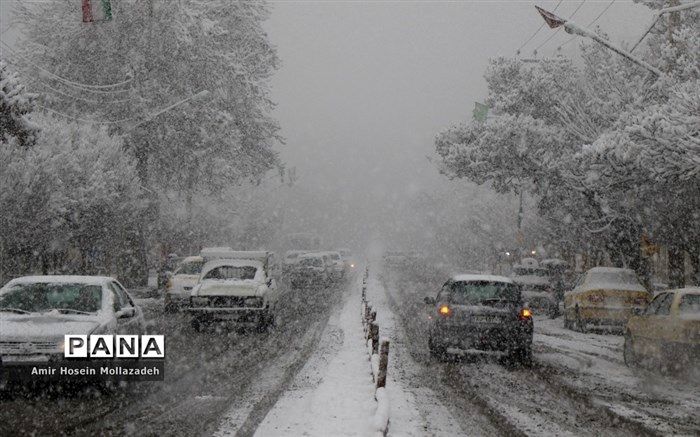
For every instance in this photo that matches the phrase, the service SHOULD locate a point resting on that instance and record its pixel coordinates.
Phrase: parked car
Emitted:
(268, 258)
(667, 333)
(480, 312)
(312, 268)
(606, 297)
(291, 259)
(37, 311)
(536, 288)
(336, 265)
(180, 284)
(238, 291)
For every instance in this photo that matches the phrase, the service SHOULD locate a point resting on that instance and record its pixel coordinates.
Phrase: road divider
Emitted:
(378, 351)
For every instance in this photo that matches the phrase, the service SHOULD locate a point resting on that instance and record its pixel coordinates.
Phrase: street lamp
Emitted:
(554, 21)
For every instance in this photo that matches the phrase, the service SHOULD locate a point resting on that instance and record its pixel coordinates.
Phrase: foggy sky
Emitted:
(365, 86)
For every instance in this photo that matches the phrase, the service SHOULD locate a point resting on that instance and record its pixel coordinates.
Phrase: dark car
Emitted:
(481, 312)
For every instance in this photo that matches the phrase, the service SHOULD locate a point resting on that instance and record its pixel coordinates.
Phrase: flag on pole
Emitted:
(552, 20)
(97, 10)
(480, 112)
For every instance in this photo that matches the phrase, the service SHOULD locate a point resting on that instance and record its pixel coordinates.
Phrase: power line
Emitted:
(559, 29)
(589, 24)
(100, 102)
(84, 86)
(517, 52)
(85, 120)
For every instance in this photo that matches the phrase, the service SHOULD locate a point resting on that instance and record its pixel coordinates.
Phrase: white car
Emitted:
(291, 259)
(180, 284)
(336, 264)
(312, 269)
(240, 291)
(37, 311)
(535, 284)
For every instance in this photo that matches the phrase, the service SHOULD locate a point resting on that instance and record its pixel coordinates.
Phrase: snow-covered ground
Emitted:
(333, 394)
(416, 407)
(578, 385)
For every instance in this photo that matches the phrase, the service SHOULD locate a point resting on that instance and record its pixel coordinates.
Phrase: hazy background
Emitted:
(365, 86)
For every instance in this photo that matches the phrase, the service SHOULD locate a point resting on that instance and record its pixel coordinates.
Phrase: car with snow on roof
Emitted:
(535, 284)
(313, 268)
(179, 285)
(480, 313)
(236, 291)
(605, 297)
(291, 259)
(667, 334)
(37, 311)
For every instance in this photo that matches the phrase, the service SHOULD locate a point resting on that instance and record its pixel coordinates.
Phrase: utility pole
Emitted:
(674, 9)
(554, 21)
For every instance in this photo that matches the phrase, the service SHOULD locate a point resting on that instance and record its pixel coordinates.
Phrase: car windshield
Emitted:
(231, 273)
(689, 304)
(43, 297)
(190, 268)
(476, 292)
(311, 262)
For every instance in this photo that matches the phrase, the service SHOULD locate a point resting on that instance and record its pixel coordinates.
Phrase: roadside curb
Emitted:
(378, 352)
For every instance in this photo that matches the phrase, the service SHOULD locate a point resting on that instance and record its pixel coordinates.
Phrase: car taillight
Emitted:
(640, 301)
(445, 311)
(595, 298)
(525, 314)
(168, 284)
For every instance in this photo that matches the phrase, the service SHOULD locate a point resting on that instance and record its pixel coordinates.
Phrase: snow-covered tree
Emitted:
(162, 52)
(70, 203)
(15, 105)
(610, 155)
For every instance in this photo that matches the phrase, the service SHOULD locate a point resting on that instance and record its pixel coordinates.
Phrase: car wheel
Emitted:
(438, 352)
(630, 357)
(196, 324)
(521, 356)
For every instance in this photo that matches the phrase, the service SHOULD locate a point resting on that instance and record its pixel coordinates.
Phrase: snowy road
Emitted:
(207, 374)
(311, 377)
(578, 385)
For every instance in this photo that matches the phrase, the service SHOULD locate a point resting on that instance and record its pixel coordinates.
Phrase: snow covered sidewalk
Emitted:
(333, 394)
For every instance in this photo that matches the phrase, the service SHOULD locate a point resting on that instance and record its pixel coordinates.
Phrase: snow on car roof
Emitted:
(686, 290)
(231, 262)
(62, 279)
(609, 270)
(473, 277)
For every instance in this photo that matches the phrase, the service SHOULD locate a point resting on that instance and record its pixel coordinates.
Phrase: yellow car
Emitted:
(667, 334)
(604, 297)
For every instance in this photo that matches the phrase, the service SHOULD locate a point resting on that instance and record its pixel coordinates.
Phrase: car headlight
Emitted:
(197, 301)
(253, 302)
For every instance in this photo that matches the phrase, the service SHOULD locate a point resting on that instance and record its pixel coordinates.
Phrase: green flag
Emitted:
(480, 111)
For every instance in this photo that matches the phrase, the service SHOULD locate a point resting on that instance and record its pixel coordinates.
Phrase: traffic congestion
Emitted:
(327, 218)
